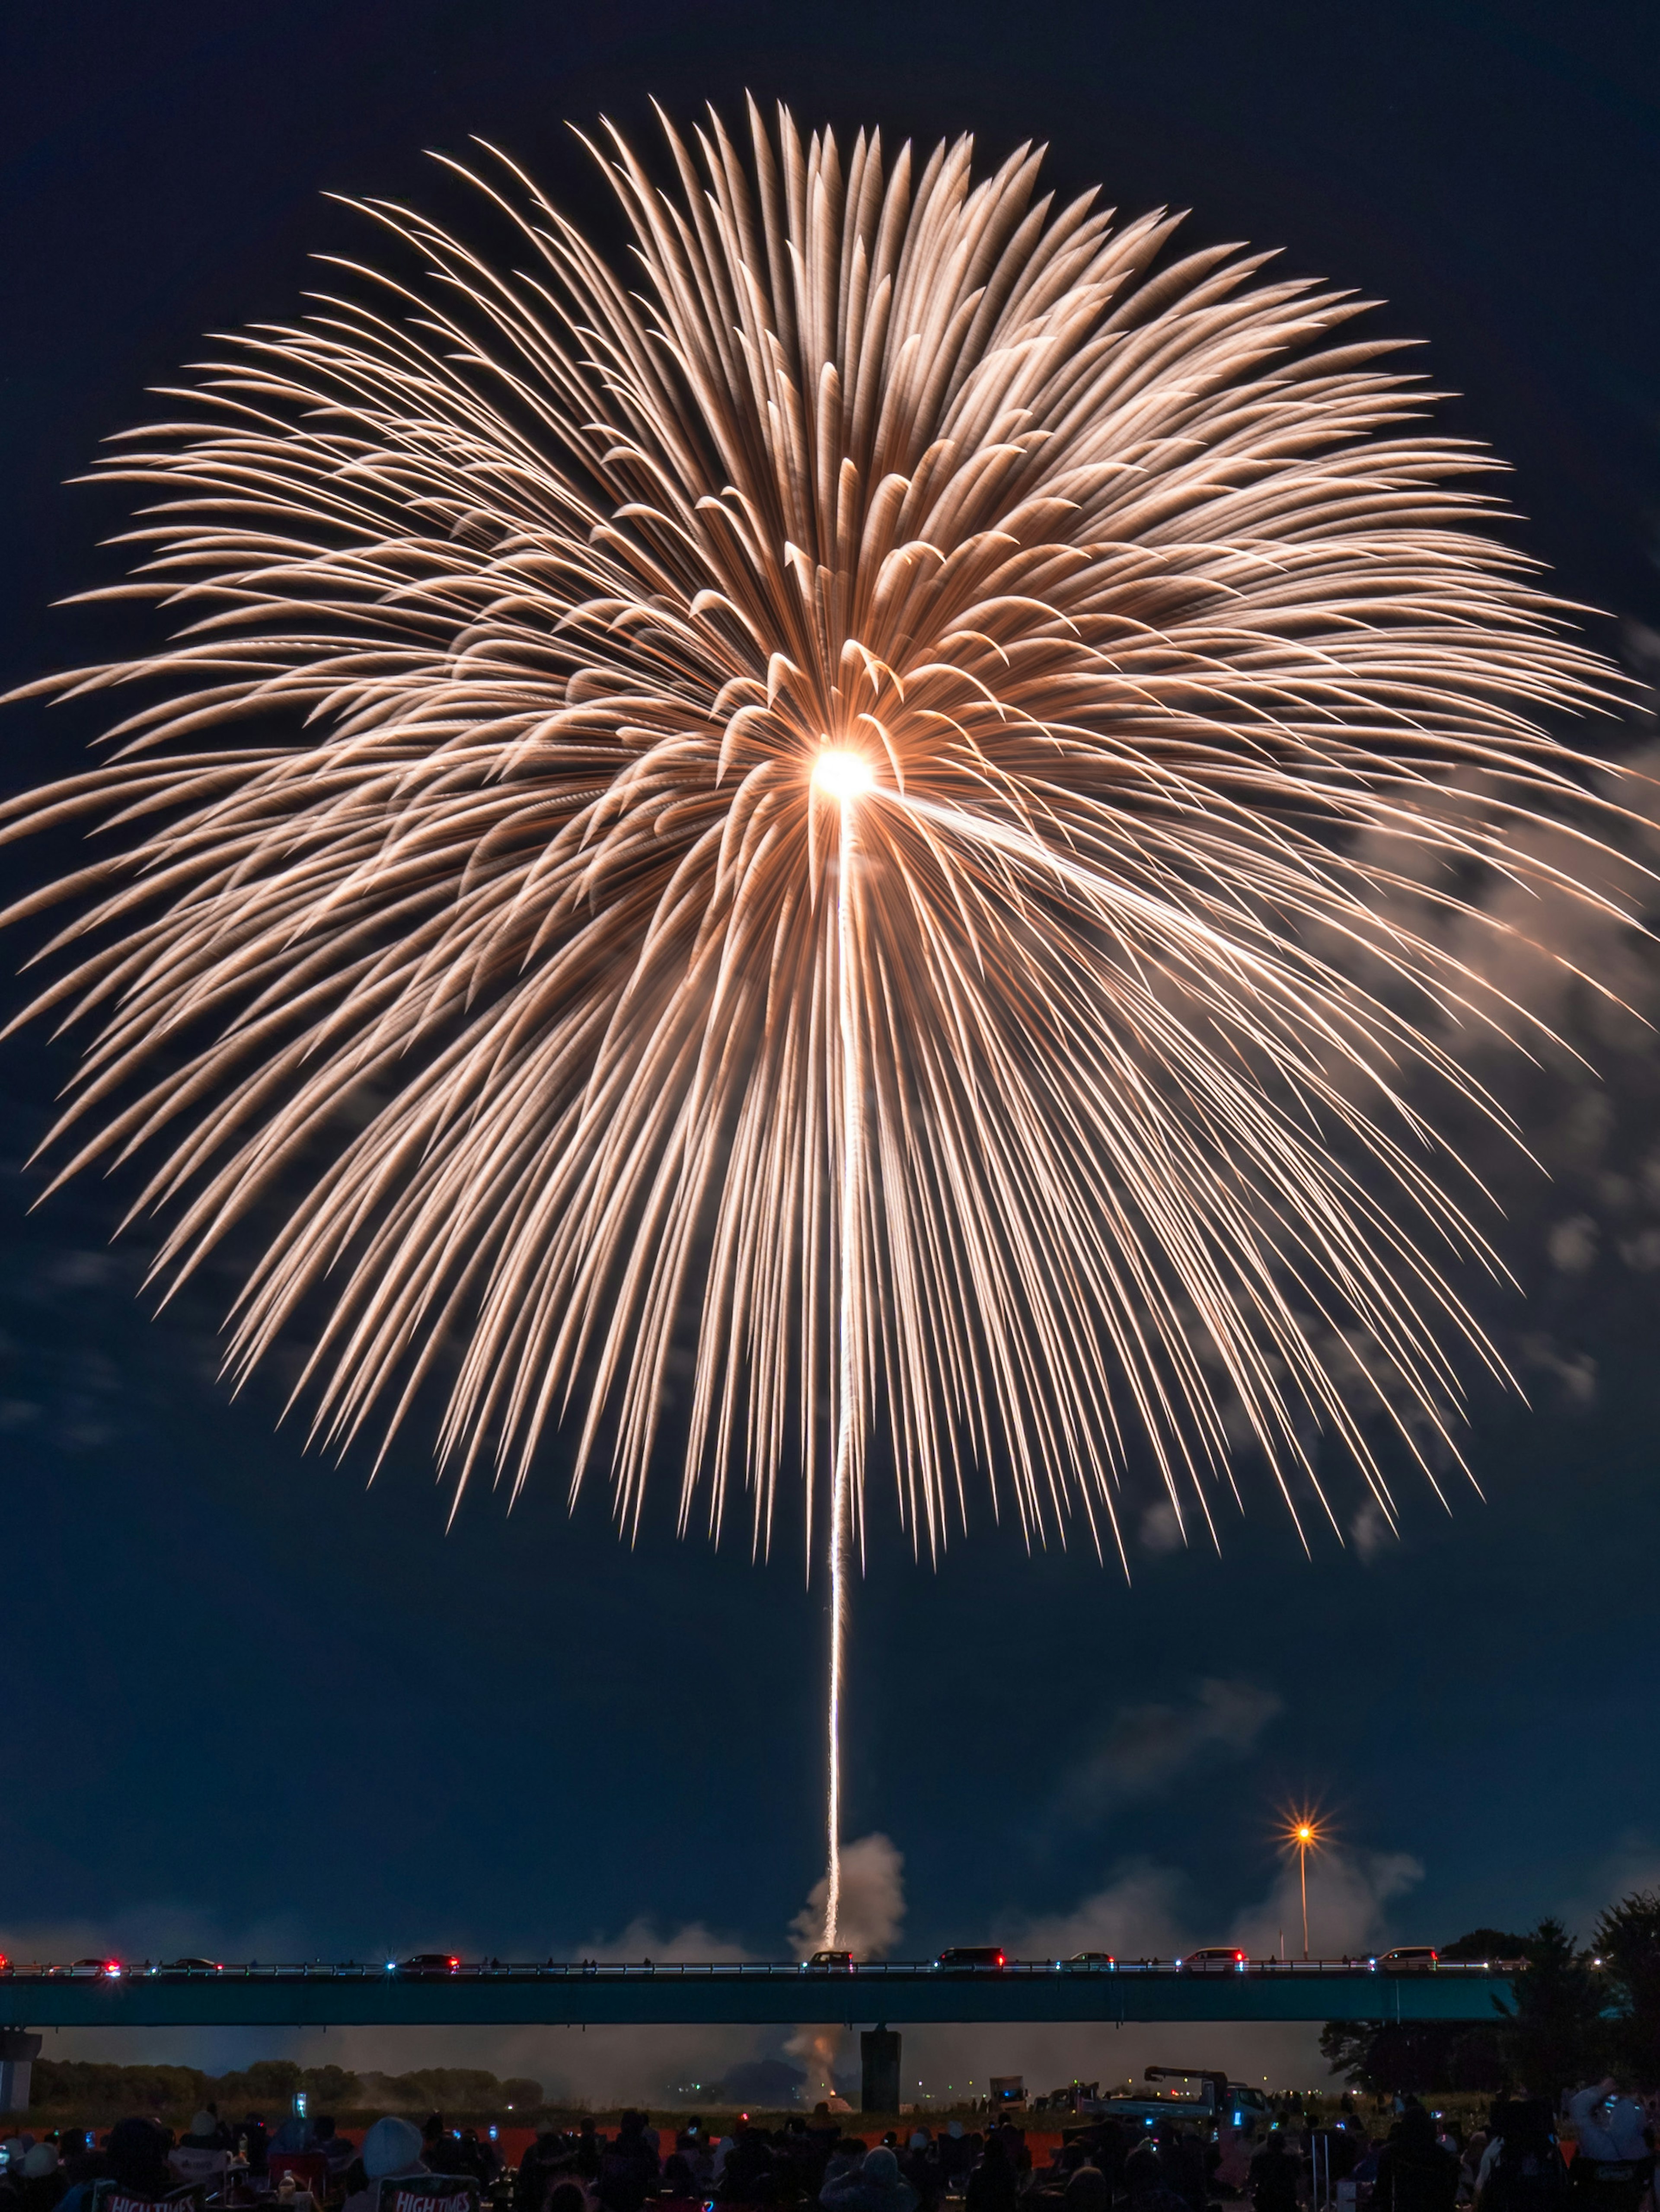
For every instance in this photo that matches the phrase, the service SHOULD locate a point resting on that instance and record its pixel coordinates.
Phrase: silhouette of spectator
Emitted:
(441, 2148)
(847, 2157)
(920, 2165)
(134, 2156)
(1144, 2184)
(1340, 2147)
(628, 2167)
(549, 2155)
(1187, 2169)
(1521, 2167)
(199, 2157)
(42, 2187)
(590, 2150)
(1414, 2174)
(1275, 2174)
(78, 2160)
(994, 2186)
(328, 2139)
(693, 2144)
(1086, 2190)
(876, 2185)
(748, 2176)
(254, 2135)
(391, 2152)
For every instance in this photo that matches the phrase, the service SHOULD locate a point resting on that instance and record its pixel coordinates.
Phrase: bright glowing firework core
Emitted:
(842, 775)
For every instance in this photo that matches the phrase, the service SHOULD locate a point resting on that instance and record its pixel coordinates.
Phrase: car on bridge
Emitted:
(971, 1959)
(829, 1962)
(1407, 1958)
(1214, 1959)
(428, 1963)
(1087, 1962)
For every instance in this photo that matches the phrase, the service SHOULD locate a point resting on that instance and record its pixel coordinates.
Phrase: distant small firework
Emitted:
(809, 815)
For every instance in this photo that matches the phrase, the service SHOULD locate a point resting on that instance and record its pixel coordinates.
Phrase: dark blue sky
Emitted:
(243, 1692)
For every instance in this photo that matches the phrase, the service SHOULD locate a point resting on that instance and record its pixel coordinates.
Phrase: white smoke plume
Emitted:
(873, 1907)
(871, 1914)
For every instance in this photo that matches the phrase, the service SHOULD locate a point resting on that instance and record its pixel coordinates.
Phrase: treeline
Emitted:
(1577, 2013)
(91, 2089)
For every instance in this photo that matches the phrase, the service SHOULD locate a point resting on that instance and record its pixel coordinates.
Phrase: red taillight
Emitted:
(112, 1968)
(455, 1964)
(1001, 1960)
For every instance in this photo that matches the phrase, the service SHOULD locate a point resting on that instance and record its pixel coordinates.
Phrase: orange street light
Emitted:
(1304, 1834)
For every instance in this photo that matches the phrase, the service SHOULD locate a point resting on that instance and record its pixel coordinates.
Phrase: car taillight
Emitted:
(455, 1966)
(112, 1968)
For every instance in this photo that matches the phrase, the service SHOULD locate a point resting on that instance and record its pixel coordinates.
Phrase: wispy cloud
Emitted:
(1149, 1747)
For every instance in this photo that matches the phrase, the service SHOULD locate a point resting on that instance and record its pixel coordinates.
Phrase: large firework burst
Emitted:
(818, 805)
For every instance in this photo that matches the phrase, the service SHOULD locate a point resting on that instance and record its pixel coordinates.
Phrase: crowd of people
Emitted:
(1513, 2163)
(236, 2161)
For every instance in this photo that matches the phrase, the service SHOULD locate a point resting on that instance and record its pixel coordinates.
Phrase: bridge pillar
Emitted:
(18, 2052)
(879, 2070)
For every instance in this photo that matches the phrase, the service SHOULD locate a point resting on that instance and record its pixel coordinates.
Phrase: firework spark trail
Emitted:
(460, 935)
(844, 777)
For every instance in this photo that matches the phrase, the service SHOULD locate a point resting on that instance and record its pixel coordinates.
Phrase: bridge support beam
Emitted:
(18, 2052)
(879, 2070)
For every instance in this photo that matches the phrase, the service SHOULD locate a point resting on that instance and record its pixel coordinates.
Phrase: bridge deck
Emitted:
(750, 1995)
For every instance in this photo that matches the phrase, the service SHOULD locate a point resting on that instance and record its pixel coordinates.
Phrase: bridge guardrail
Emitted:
(733, 1969)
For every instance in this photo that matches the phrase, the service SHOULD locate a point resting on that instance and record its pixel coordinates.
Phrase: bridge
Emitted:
(587, 1994)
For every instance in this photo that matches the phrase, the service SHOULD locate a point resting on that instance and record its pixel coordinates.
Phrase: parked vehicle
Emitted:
(827, 1962)
(1208, 2100)
(971, 1959)
(1214, 1959)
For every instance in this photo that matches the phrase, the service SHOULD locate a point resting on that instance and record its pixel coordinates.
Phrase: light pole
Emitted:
(1305, 1834)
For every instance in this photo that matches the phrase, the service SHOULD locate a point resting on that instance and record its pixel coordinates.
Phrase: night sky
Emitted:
(255, 1707)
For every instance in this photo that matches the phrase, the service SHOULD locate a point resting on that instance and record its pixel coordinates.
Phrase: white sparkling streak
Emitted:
(849, 1457)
